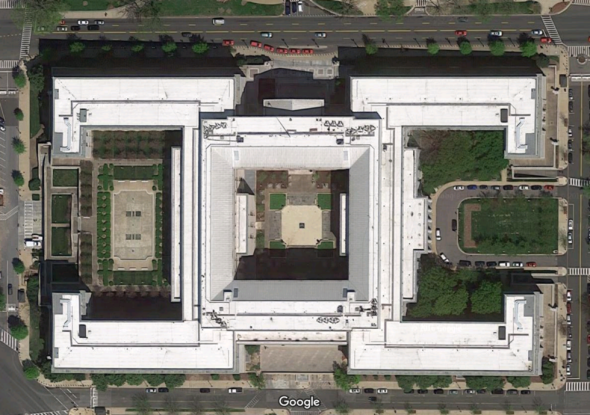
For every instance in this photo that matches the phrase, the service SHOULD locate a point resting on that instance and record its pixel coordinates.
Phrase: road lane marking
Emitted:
(192, 24)
(452, 22)
(295, 31)
(425, 22)
(347, 23)
(294, 24)
(504, 22)
(373, 31)
(243, 31)
(477, 22)
(115, 25)
(425, 30)
(373, 23)
(270, 24)
(524, 30)
(399, 31)
(531, 22)
(320, 24)
(347, 31)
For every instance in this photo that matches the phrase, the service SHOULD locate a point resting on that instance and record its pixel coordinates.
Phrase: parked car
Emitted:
(571, 107)
(151, 390)
(537, 32)
(504, 264)
(369, 390)
(523, 187)
(568, 306)
(320, 34)
(508, 187)
(93, 27)
(571, 94)
(480, 264)
(439, 392)
(186, 34)
(444, 258)
(472, 187)
(469, 392)
(570, 237)
(300, 6)
(517, 264)
(568, 295)
(422, 391)
(495, 187)
(587, 339)
(464, 263)
(269, 48)
(496, 33)
(205, 390)
(568, 319)
(372, 399)
(511, 392)
(570, 145)
(9, 289)
(218, 21)
(163, 390)
(569, 359)
(83, 22)
(569, 332)
(454, 225)
(354, 390)
(458, 187)
(228, 42)
(295, 51)
(293, 7)
(382, 391)
(61, 28)
(266, 34)
(287, 8)
(570, 158)
(437, 233)
(461, 32)
(284, 51)
(255, 44)
(307, 51)
(570, 224)
(531, 264)
(525, 392)
(570, 131)
(498, 392)
(235, 390)
(408, 390)
(481, 391)
(549, 187)
(453, 392)
(483, 186)
(568, 370)
(546, 39)
(100, 22)
(536, 187)
(568, 344)
(491, 264)
(75, 28)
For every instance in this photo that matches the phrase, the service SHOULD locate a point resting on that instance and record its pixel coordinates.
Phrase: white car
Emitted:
(568, 319)
(266, 34)
(568, 370)
(568, 345)
(570, 238)
(497, 33)
(570, 224)
(438, 237)
(569, 357)
(357, 390)
(517, 264)
(381, 391)
(523, 187)
(444, 258)
(537, 32)
(570, 132)
(568, 295)
(504, 264)
(458, 187)
(235, 390)
(83, 22)
(99, 22)
(2, 127)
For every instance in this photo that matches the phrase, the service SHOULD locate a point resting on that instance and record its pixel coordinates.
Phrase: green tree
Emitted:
(31, 372)
(341, 408)
(174, 380)
(257, 380)
(542, 60)
(77, 47)
(18, 266)
(497, 47)
(405, 382)
(18, 145)
(200, 47)
(169, 47)
(35, 184)
(115, 379)
(138, 47)
(371, 48)
(18, 178)
(433, 48)
(237, 376)
(528, 48)
(482, 9)
(519, 381)
(343, 380)
(19, 330)
(465, 48)
(487, 298)
(43, 12)
(484, 382)
(147, 11)
(107, 48)
(99, 381)
(36, 78)
(2, 302)
(154, 379)
(142, 405)
(440, 293)
(586, 192)
(20, 80)
(214, 376)
(548, 371)
(18, 113)
(388, 8)
(134, 379)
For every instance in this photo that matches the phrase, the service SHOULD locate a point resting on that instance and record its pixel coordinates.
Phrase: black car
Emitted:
(536, 187)
(511, 392)
(75, 28)
(422, 391)
(588, 362)
(525, 392)
(186, 34)
(571, 107)
(454, 225)
(205, 390)
(409, 391)
(93, 27)
(570, 158)
(483, 186)
(480, 264)
(508, 187)
(9, 289)
(293, 7)
(482, 391)
(491, 264)
(369, 390)
(163, 390)
(570, 145)
(439, 392)
(372, 399)
(498, 392)
(464, 263)
(569, 332)
(287, 8)
(2, 120)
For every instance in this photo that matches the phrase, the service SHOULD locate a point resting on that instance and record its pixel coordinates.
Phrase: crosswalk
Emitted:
(582, 2)
(579, 182)
(63, 412)
(577, 386)
(25, 42)
(578, 271)
(8, 64)
(10, 4)
(551, 29)
(7, 339)
(574, 51)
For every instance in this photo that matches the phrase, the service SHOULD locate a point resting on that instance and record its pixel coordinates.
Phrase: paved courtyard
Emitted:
(299, 358)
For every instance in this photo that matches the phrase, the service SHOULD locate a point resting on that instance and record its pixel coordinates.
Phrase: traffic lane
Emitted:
(572, 25)
(10, 37)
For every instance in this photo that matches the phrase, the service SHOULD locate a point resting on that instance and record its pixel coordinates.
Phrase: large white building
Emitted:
(386, 225)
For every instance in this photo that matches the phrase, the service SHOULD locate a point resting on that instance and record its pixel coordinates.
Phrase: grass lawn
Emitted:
(35, 120)
(92, 5)
(277, 201)
(339, 7)
(216, 8)
(277, 245)
(65, 178)
(61, 206)
(516, 226)
(35, 341)
(135, 172)
(60, 241)
(505, 8)
(325, 245)
(134, 277)
(325, 201)
(260, 239)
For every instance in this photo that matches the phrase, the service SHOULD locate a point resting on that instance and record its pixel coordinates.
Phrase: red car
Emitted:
(269, 48)
(569, 307)
(62, 22)
(531, 264)
(461, 32)
(228, 42)
(308, 51)
(282, 50)
(546, 39)
(255, 44)
(295, 51)
(549, 187)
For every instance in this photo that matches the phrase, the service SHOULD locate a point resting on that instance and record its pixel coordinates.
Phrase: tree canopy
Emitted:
(465, 48)
(20, 80)
(484, 382)
(387, 8)
(519, 381)
(31, 372)
(77, 47)
(528, 48)
(407, 382)
(497, 47)
(2, 302)
(548, 371)
(200, 47)
(487, 298)
(18, 145)
(343, 380)
(146, 11)
(19, 330)
(371, 48)
(440, 293)
(433, 48)
(18, 265)
(36, 78)
(42, 12)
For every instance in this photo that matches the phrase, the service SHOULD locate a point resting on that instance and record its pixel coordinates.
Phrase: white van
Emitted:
(218, 21)
(300, 6)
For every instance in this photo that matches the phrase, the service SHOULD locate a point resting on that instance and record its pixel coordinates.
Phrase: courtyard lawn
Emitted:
(135, 277)
(277, 201)
(92, 5)
(61, 206)
(65, 178)
(135, 172)
(216, 8)
(325, 201)
(277, 245)
(516, 226)
(60, 241)
(325, 245)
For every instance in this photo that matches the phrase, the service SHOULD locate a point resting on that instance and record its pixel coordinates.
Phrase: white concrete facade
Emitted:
(387, 229)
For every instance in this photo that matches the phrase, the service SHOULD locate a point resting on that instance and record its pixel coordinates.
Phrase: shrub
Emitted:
(77, 47)
(542, 60)
(528, 48)
(19, 331)
(497, 48)
(18, 145)
(174, 381)
(36, 78)
(343, 380)
(214, 376)
(237, 376)
(169, 47)
(20, 80)
(433, 48)
(371, 48)
(465, 48)
(31, 372)
(18, 113)
(107, 48)
(18, 266)
(200, 48)
(34, 184)
(137, 47)
(18, 178)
